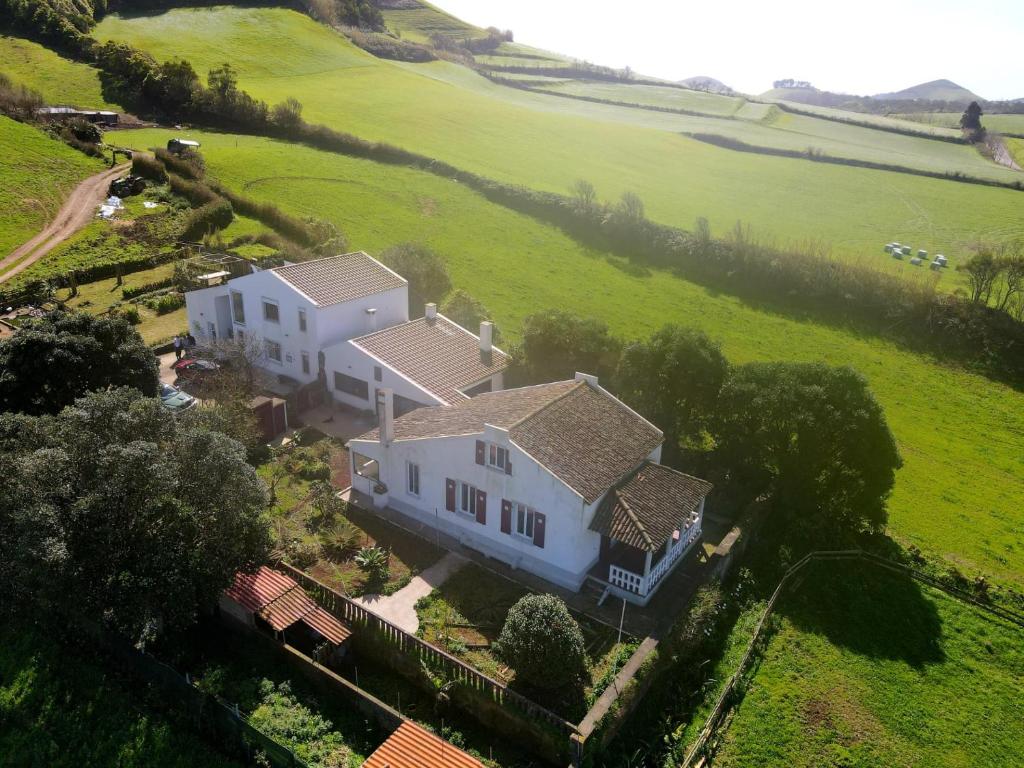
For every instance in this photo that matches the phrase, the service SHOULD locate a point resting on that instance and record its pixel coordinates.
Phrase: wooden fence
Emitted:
(356, 615)
(725, 699)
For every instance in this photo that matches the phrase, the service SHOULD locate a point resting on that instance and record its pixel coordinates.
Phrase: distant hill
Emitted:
(809, 95)
(704, 83)
(936, 90)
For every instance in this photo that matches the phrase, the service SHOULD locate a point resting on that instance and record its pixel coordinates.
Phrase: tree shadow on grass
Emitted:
(867, 610)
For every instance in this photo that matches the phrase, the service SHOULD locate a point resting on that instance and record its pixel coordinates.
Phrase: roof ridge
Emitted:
(633, 516)
(549, 403)
(322, 258)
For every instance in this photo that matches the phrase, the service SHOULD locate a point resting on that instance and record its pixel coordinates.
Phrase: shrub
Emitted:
(374, 562)
(148, 168)
(543, 643)
(207, 218)
(425, 270)
(167, 303)
(339, 539)
(139, 290)
(131, 314)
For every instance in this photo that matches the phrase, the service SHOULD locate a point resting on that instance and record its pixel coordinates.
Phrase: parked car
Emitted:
(174, 400)
(194, 369)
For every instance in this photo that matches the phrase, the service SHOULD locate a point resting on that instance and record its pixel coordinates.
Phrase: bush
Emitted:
(543, 643)
(207, 218)
(167, 303)
(148, 168)
(139, 290)
(339, 539)
(131, 314)
(374, 562)
(425, 270)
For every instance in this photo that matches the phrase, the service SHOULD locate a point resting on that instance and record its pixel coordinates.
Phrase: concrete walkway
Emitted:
(400, 608)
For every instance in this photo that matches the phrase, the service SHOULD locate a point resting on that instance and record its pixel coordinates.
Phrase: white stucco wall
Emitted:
(353, 361)
(570, 548)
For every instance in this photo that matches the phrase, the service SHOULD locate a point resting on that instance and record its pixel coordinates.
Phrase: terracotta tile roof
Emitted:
(280, 601)
(339, 278)
(645, 509)
(439, 355)
(412, 746)
(580, 433)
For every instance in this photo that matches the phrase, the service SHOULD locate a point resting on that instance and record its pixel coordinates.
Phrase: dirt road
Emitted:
(77, 211)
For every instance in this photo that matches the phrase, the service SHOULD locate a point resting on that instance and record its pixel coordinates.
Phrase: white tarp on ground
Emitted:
(109, 208)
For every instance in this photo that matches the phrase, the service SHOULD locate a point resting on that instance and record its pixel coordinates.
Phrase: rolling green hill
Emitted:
(934, 90)
(59, 80)
(955, 496)
(36, 175)
(447, 111)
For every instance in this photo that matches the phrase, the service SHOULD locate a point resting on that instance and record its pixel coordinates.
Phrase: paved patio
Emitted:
(400, 608)
(339, 421)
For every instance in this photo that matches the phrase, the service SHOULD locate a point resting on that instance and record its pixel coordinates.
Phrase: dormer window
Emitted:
(497, 457)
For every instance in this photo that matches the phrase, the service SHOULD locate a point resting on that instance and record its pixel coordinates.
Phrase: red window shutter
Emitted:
(481, 507)
(449, 495)
(538, 529)
(480, 451)
(506, 516)
(508, 463)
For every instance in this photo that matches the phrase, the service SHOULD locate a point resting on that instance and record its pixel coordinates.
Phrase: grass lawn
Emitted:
(868, 669)
(465, 615)
(326, 549)
(63, 710)
(36, 175)
(451, 113)
(957, 496)
(59, 80)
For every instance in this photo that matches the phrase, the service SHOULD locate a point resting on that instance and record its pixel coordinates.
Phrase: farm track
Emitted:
(74, 214)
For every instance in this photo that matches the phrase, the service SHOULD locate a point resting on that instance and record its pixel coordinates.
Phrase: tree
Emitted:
(970, 120)
(815, 438)
(556, 344)
(584, 196)
(114, 514)
(982, 269)
(61, 356)
(1012, 270)
(287, 115)
(425, 270)
(673, 379)
(463, 309)
(543, 643)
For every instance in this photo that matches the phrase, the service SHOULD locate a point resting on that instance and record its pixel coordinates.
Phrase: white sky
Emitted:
(864, 47)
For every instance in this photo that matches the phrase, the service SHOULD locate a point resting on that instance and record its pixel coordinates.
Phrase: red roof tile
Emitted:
(414, 747)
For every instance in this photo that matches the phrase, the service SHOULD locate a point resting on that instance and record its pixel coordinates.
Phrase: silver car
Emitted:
(174, 400)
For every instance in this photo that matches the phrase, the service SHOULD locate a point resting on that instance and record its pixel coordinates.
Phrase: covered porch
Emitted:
(647, 524)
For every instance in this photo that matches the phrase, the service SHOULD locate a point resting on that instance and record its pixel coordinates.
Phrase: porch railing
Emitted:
(642, 585)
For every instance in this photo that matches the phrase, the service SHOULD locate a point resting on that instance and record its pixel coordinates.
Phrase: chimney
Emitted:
(430, 312)
(371, 319)
(386, 415)
(587, 377)
(486, 332)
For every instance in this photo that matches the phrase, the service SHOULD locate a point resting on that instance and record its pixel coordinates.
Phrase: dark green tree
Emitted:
(425, 270)
(114, 514)
(673, 379)
(543, 643)
(463, 309)
(556, 344)
(59, 357)
(815, 438)
(970, 120)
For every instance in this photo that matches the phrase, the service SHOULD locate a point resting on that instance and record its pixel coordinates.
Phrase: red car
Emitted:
(193, 369)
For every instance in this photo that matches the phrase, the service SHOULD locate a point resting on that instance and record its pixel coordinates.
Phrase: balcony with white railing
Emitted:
(639, 573)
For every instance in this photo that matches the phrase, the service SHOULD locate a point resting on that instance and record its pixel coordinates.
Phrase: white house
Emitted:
(344, 320)
(558, 479)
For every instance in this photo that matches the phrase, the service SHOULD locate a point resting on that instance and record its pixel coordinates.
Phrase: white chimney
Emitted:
(371, 319)
(587, 377)
(431, 312)
(486, 332)
(386, 415)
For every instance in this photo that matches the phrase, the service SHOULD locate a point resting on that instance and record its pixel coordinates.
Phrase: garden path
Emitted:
(400, 608)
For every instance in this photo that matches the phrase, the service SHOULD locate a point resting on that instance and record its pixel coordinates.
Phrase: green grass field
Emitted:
(959, 493)
(447, 111)
(418, 24)
(995, 122)
(871, 670)
(36, 175)
(59, 80)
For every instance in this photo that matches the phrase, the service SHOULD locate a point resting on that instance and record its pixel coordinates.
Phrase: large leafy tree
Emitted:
(425, 270)
(673, 379)
(543, 643)
(112, 513)
(815, 438)
(61, 356)
(556, 344)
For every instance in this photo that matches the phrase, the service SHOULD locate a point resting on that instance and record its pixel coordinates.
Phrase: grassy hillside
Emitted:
(37, 174)
(959, 433)
(418, 24)
(998, 123)
(547, 142)
(867, 670)
(934, 90)
(59, 80)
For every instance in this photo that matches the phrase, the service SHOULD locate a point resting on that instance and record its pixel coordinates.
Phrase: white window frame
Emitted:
(241, 299)
(277, 307)
(280, 351)
(529, 517)
(461, 506)
(412, 478)
(302, 320)
(497, 457)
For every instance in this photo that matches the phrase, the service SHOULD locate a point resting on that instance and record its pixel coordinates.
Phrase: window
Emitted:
(378, 373)
(412, 478)
(273, 350)
(305, 362)
(524, 521)
(497, 457)
(467, 499)
(351, 385)
(270, 312)
(366, 467)
(302, 322)
(238, 307)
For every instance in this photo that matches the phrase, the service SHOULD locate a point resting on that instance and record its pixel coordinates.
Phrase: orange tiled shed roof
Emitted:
(414, 747)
